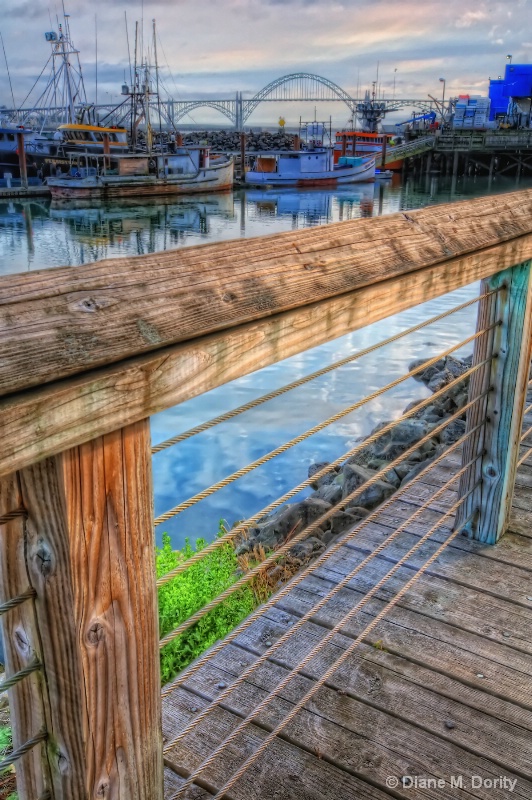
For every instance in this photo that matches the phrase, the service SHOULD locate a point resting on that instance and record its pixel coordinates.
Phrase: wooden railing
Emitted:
(408, 149)
(88, 354)
(492, 141)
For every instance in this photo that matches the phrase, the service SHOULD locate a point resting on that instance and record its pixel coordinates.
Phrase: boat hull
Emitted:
(336, 177)
(217, 178)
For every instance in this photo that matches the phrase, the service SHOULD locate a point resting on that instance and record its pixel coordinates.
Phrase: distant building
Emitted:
(511, 96)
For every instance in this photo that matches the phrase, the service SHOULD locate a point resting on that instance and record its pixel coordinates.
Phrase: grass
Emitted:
(189, 592)
(6, 776)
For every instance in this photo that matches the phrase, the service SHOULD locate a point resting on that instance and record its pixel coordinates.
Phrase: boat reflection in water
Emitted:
(312, 206)
(104, 222)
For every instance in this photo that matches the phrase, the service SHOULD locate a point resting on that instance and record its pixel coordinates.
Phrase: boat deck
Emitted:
(440, 691)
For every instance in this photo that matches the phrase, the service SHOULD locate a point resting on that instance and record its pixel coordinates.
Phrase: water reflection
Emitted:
(39, 235)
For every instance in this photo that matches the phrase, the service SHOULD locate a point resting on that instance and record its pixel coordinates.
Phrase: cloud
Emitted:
(220, 46)
(470, 18)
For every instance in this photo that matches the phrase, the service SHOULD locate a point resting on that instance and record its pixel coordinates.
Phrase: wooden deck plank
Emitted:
(387, 690)
(440, 600)
(504, 667)
(283, 771)
(352, 734)
(456, 649)
(276, 621)
(468, 569)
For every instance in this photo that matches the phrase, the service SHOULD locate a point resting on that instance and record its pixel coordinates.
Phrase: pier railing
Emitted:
(88, 354)
(491, 141)
(408, 149)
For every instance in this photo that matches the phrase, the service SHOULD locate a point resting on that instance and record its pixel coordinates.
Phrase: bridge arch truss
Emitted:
(177, 109)
(298, 86)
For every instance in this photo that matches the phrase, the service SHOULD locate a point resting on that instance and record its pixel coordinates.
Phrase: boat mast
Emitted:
(134, 93)
(8, 74)
(157, 84)
(66, 66)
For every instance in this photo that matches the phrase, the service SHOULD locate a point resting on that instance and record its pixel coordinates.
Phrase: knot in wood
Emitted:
(22, 643)
(103, 789)
(228, 297)
(89, 304)
(95, 633)
(43, 557)
(62, 763)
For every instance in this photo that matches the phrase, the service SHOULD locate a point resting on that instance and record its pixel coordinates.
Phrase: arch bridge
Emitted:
(295, 87)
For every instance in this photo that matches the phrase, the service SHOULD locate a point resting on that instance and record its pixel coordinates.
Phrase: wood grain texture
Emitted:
(497, 444)
(21, 647)
(107, 485)
(49, 569)
(55, 323)
(45, 421)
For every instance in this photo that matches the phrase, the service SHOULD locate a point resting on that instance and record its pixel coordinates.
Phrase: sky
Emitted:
(216, 47)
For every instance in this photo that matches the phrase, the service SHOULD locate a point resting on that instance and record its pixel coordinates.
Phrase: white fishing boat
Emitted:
(309, 168)
(184, 171)
(312, 164)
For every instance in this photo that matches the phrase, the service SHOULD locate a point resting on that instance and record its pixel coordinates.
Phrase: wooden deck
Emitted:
(441, 690)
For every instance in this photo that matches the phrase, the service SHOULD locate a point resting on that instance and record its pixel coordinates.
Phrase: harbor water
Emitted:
(37, 235)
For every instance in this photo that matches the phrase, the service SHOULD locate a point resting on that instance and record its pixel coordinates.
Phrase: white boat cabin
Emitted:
(295, 164)
(184, 161)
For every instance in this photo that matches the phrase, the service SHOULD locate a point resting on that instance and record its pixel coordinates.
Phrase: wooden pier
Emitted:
(399, 653)
(471, 152)
(24, 192)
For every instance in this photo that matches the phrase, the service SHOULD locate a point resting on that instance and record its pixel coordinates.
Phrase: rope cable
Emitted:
(296, 384)
(15, 755)
(244, 526)
(8, 683)
(317, 606)
(17, 601)
(215, 487)
(308, 531)
(525, 434)
(11, 515)
(524, 457)
(336, 664)
(300, 576)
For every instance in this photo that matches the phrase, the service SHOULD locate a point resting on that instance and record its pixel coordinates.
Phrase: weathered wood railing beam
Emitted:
(56, 323)
(41, 422)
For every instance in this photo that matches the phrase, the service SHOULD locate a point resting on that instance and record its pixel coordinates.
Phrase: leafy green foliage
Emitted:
(190, 591)
(5, 739)
(6, 742)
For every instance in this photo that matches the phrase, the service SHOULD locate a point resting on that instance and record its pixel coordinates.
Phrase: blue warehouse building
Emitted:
(511, 96)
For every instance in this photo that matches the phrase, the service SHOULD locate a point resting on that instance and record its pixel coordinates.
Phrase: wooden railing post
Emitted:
(27, 699)
(109, 500)
(497, 443)
(90, 558)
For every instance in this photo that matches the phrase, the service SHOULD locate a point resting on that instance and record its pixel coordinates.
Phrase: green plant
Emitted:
(5, 739)
(190, 591)
(6, 774)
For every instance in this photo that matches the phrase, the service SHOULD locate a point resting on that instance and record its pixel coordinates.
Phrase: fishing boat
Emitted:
(312, 164)
(186, 170)
(352, 143)
(313, 167)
